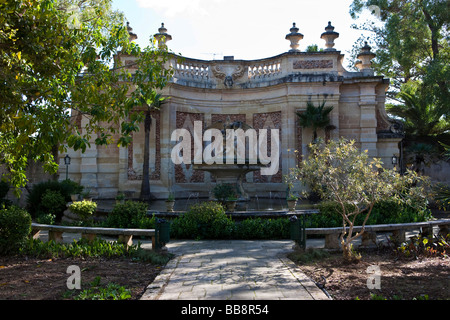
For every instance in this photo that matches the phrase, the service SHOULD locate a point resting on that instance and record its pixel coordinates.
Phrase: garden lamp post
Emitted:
(394, 160)
(67, 163)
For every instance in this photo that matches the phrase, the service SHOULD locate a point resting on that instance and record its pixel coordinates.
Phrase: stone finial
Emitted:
(162, 36)
(329, 36)
(133, 36)
(364, 58)
(294, 37)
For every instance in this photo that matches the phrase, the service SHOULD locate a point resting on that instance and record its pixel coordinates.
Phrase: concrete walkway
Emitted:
(232, 270)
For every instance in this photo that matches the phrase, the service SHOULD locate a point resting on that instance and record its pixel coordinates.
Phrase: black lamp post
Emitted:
(67, 163)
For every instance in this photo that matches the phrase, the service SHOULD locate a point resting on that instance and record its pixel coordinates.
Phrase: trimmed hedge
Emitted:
(15, 226)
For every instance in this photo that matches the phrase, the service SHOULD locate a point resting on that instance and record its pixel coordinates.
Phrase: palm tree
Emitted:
(421, 115)
(315, 117)
(157, 102)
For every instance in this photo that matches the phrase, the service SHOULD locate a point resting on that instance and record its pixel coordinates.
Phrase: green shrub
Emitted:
(84, 209)
(15, 226)
(206, 220)
(46, 218)
(130, 214)
(225, 191)
(259, 228)
(52, 202)
(35, 204)
(383, 212)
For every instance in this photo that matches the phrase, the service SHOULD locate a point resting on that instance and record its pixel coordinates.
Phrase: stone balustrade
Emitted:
(232, 74)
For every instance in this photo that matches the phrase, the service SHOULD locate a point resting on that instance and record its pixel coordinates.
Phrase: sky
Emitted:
(245, 29)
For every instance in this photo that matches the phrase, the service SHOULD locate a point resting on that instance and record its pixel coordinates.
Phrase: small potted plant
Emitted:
(170, 202)
(231, 203)
(120, 198)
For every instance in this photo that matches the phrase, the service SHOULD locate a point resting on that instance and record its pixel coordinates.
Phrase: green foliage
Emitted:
(96, 291)
(259, 228)
(96, 249)
(72, 187)
(442, 196)
(52, 202)
(315, 117)
(46, 218)
(224, 191)
(383, 212)
(37, 205)
(85, 209)
(15, 226)
(411, 43)
(420, 246)
(340, 173)
(130, 214)
(206, 220)
(421, 114)
(50, 64)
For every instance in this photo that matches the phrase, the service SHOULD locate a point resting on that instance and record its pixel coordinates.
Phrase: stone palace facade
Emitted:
(264, 94)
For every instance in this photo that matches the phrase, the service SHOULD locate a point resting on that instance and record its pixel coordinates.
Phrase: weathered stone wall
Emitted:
(265, 94)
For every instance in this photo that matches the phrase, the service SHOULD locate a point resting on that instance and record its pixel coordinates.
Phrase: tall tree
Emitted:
(422, 116)
(59, 58)
(411, 43)
(158, 101)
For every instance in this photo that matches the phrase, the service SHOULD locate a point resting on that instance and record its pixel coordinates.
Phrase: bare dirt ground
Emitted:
(404, 279)
(38, 279)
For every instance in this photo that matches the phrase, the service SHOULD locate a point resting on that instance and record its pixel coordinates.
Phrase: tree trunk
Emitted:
(145, 186)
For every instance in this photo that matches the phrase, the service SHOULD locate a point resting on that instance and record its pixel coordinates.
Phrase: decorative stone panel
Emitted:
(313, 64)
(184, 173)
(269, 120)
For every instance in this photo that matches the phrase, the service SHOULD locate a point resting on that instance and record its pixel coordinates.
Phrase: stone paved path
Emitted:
(232, 270)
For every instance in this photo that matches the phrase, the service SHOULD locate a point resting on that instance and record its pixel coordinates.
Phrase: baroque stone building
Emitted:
(265, 94)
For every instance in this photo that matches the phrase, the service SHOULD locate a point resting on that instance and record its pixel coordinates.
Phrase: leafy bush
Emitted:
(85, 209)
(35, 204)
(46, 218)
(259, 228)
(383, 212)
(52, 202)
(130, 214)
(418, 246)
(95, 249)
(225, 191)
(206, 220)
(15, 226)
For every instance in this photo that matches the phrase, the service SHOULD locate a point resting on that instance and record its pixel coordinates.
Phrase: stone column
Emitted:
(368, 119)
(88, 165)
